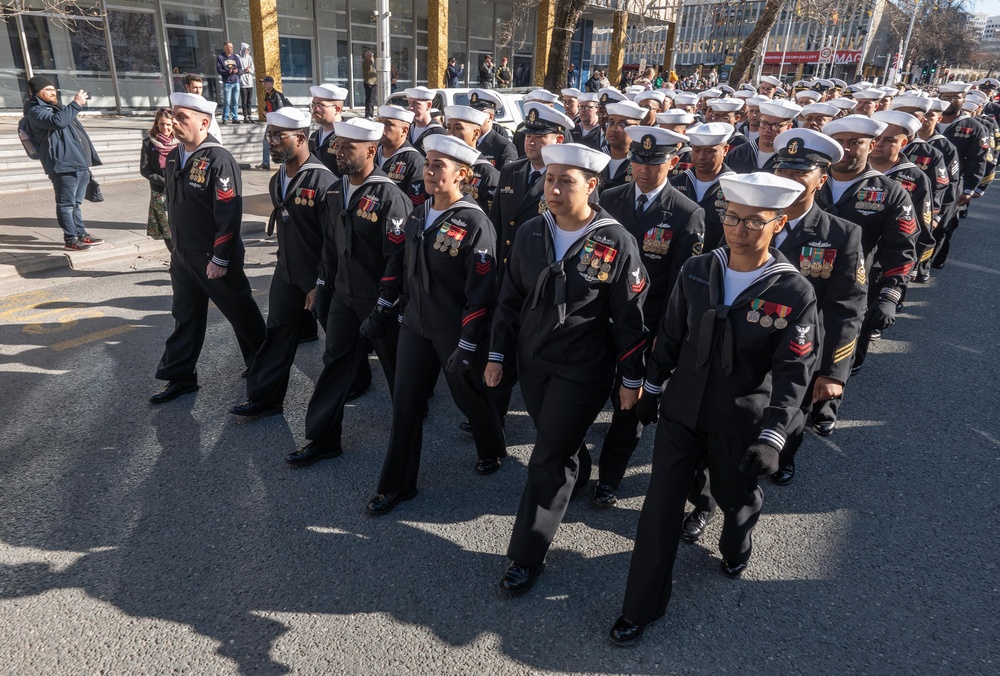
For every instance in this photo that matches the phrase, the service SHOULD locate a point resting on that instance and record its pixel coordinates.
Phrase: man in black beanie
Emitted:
(66, 153)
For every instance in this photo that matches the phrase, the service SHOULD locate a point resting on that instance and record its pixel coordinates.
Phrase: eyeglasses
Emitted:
(773, 125)
(623, 124)
(320, 106)
(749, 223)
(274, 139)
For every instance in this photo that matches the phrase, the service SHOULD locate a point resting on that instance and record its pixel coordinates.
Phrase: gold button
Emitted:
(508, 242)
(512, 223)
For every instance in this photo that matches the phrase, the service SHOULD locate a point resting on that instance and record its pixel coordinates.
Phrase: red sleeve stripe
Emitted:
(902, 270)
(222, 240)
(640, 345)
(388, 279)
(473, 315)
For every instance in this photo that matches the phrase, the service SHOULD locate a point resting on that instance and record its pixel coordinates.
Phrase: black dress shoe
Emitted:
(937, 266)
(488, 466)
(695, 524)
(784, 475)
(734, 571)
(625, 632)
(519, 579)
(825, 428)
(604, 496)
(383, 504)
(307, 338)
(246, 373)
(922, 279)
(251, 408)
(876, 335)
(174, 389)
(465, 426)
(356, 392)
(313, 452)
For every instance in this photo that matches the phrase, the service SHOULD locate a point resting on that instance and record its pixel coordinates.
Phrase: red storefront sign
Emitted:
(774, 58)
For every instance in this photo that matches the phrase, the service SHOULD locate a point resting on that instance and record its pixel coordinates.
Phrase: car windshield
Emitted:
(521, 102)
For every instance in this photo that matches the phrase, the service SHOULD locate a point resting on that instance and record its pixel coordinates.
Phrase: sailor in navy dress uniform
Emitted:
(733, 357)
(726, 110)
(815, 116)
(652, 101)
(421, 102)
(449, 292)
(519, 198)
(571, 307)
(678, 122)
(362, 242)
(465, 123)
(974, 106)
(542, 96)
(621, 116)
(888, 157)
(669, 228)
(589, 131)
(298, 193)
(605, 96)
(400, 161)
(205, 207)
(758, 155)
(326, 107)
(495, 148)
(930, 132)
(700, 181)
(889, 230)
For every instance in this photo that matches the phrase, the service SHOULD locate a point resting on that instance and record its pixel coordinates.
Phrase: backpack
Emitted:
(24, 134)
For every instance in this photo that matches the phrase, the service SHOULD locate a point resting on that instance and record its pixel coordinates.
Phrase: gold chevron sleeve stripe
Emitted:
(844, 352)
(927, 255)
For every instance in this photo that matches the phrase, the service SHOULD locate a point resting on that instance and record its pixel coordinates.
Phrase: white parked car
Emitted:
(510, 115)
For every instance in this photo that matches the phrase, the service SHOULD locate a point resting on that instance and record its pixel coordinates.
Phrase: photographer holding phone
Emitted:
(66, 153)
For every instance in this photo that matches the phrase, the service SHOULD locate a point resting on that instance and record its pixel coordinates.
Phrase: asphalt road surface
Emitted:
(136, 539)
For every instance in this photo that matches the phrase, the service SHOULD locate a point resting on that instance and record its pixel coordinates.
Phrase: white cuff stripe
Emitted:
(384, 303)
(891, 294)
(651, 388)
(219, 261)
(466, 345)
(320, 282)
(496, 357)
(773, 437)
(632, 384)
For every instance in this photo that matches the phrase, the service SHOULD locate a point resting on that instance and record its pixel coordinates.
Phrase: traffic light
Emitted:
(934, 68)
(923, 72)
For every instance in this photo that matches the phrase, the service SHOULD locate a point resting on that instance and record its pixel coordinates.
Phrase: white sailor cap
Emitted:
(542, 95)
(991, 82)
(862, 84)
(396, 113)
(843, 103)
(976, 95)
(627, 109)
(711, 134)
(773, 81)
(820, 109)
(755, 101)
(588, 98)
(956, 87)
(632, 90)
(822, 85)
(747, 87)
(658, 96)
(452, 147)
(873, 94)
(465, 114)
(710, 94)
(921, 103)
(971, 106)
(760, 189)
(575, 155)
(786, 110)
(192, 101)
(675, 116)
(289, 118)
(686, 99)
(484, 99)
(542, 119)
(725, 105)
(359, 129)
(745, 94)
(652, 145)
(907, 122)
(420, 93)
(608, 95)
(571, 92)
(939, 105)
(838, 83)
(889, 91)
(330, 92)
(810, 94)
(806, 149)
(855, 124)
(668, 93)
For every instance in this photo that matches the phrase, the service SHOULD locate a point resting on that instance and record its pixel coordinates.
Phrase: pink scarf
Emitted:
(163, 144)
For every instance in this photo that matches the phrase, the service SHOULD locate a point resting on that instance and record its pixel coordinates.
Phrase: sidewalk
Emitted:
(31, 241)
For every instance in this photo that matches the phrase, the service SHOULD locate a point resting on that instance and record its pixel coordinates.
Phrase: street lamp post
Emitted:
(383, 62)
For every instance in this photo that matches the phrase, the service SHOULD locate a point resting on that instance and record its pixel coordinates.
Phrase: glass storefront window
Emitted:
(191, 16)
(334, 54)
(300, 8)
(458, 21)
(194, 51)
(137, 60)
(296, 66)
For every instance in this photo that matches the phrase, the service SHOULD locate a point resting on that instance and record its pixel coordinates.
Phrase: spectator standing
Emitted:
(193, 84)
(273, 100)
(454, 73)
(571, 76)
(155, 148)
(228, 66)
(370, 76)
(66, 154)
(605, 82)
(504, 74)
(247, 73)
(593, 84)
(487, 73)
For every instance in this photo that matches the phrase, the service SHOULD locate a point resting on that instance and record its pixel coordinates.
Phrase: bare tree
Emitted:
(61, 11)
(753, 42)
(567, 16)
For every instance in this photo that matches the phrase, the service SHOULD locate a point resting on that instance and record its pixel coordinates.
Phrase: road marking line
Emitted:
(94, 337)
(963, 349)
(973, 266)
(22, 299)
(988, 438)
(22, 368)
(14, 311)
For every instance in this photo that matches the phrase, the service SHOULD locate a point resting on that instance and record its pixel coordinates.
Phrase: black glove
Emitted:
(374, 327)
(648, 408)
(761, 459)
(321, 304)
(460, 361)
(883, 314)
